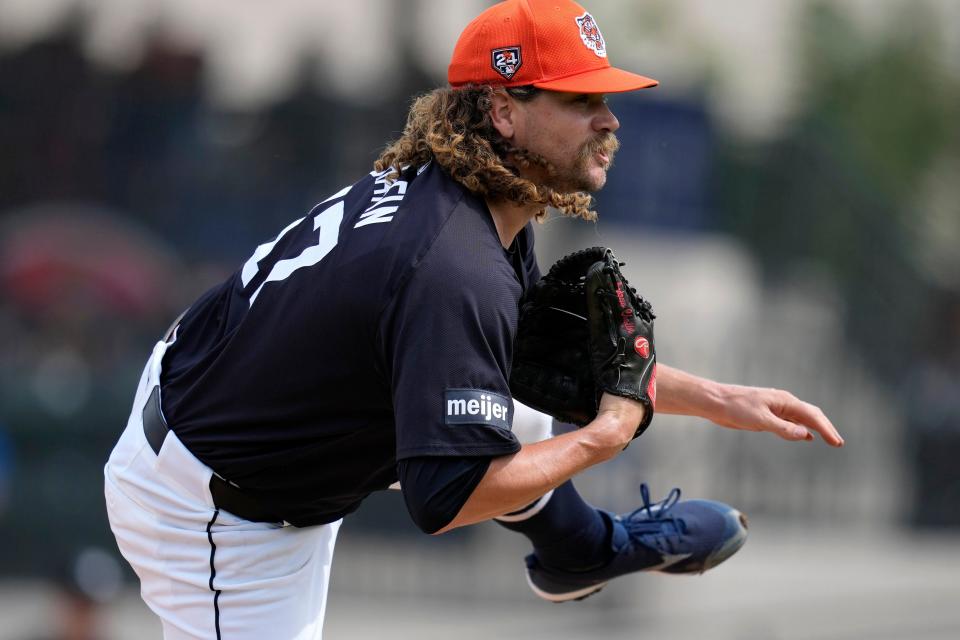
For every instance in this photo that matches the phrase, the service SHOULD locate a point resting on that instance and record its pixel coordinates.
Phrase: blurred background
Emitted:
(788, 198)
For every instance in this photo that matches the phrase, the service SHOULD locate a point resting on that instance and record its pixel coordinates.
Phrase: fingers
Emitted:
(807, 416)
(788, 430)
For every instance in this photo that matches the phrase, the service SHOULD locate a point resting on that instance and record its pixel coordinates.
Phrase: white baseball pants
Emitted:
(207, 573)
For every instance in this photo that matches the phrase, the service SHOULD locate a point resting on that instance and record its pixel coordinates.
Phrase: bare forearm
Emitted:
(743, 408)
(514, 481)
(682, 393)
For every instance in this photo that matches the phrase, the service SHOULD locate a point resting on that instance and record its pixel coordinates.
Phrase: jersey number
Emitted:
(327, 223)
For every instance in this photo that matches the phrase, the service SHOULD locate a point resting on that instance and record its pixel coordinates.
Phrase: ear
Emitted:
(503, 114)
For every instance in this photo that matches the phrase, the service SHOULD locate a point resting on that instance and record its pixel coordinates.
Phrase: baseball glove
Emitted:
(622, 354)
(572, 341)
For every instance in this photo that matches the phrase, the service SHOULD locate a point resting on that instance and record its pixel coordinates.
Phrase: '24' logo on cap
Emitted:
(506, 60)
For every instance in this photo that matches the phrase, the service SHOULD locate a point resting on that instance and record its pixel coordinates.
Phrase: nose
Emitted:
(605, 121)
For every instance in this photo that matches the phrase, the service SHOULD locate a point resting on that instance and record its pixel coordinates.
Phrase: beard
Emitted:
(574, 177)
(577, 177)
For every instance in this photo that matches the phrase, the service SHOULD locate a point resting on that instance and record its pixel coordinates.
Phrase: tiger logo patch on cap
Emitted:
(591, 36)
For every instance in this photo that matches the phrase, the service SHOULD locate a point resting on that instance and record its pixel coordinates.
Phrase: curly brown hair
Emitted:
(453, 128)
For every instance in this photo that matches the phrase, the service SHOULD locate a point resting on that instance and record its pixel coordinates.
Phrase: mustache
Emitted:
(605, 143)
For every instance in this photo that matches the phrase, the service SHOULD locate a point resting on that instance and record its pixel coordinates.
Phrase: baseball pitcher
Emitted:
(387, 335)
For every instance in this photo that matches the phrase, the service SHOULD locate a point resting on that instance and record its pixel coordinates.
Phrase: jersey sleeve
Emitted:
(436, 488)
(447, 341)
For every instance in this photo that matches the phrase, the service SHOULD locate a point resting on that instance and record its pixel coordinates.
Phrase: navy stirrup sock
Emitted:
(566, 532)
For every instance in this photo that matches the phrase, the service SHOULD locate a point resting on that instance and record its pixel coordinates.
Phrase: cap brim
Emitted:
(605, 80)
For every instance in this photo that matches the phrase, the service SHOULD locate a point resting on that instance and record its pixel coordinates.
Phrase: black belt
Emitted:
(226, 495)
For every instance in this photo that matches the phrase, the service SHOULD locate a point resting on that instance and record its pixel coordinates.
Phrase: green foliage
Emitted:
(890, 99)
(844, 186)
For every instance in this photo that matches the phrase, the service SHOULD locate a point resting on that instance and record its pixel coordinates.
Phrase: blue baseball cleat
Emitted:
(668, 536)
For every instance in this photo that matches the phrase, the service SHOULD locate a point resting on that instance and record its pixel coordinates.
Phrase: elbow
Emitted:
(428, 517)
(454, 523)
(435, 490)
(439, 532)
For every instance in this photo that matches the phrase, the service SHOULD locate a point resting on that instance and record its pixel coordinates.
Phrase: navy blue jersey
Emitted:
(378, 327)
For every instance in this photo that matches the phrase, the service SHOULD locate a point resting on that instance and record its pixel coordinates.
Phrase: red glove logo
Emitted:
(642, 347)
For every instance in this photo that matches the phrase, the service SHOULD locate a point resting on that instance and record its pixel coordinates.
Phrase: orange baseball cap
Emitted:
(550, 44)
